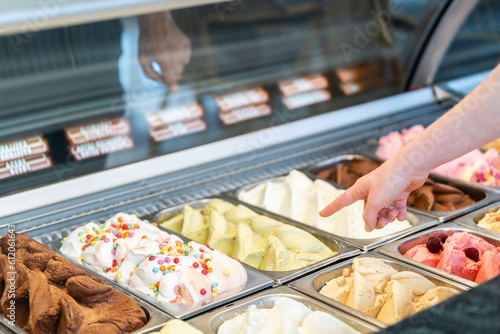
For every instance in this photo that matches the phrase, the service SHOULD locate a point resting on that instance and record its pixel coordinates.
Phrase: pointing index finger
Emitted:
(348, 197)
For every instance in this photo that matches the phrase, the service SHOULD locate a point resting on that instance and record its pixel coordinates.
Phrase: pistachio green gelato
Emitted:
(254, 239)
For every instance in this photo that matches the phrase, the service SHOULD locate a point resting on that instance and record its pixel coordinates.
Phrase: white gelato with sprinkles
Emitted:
(155, 262)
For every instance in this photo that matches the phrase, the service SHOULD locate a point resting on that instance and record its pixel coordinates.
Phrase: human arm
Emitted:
(471, 123)
(161, 41)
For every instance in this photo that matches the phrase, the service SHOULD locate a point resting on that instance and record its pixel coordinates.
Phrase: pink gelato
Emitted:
(472, 167)
(462, 254)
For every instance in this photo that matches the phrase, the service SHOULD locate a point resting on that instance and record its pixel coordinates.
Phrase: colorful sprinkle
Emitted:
(204, 272)
(80, 234)
(203, 292)
(151, 258)
(167, 260)
(214, 294)
(155, 269)
(106, 240)
(82, 240)
(176, 260)
(209, 269)
(163, 268)
(114, 270)
(225, 272)
(214, 284)
(119, 275)
(131, 234)
(195, 265)
(113, 251)
(120, 219)
(160, 262)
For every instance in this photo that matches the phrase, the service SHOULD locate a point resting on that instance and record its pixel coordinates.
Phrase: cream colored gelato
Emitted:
(256, 240)
(378, 290)
(299, 198)
(286, 316)
(178, 326)
(491, 221)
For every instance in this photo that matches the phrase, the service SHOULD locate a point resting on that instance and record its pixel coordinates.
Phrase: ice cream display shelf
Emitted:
(480, 194)
(312, 284)
(472, 219)
(341, 248)
(400, 247)
(255, 282)
(211, 321)
(418, 221)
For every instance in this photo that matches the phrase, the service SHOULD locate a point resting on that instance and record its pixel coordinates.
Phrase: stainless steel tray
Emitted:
(472, 219)
(418, 221)
(398, 248)
(344, 250)
(310, 285)
(211, 321)
(255, 282)
(156, 317)
(482, 195)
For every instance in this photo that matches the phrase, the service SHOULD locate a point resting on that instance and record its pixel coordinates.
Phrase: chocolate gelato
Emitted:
(52, 295)
(432, 196)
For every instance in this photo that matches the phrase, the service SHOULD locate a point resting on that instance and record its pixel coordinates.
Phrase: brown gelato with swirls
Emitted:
(52, 295)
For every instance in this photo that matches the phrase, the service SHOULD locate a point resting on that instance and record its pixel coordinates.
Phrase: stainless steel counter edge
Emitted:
(304, 285)
(391, 250)
(280, 277)
(29, 16)
(251, 142)
(423, 221)
(204, 321)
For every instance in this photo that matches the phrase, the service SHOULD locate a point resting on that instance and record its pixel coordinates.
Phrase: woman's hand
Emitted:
(380, 189)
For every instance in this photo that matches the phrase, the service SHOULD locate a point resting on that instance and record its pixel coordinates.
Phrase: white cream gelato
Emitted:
(286, 316)
(158, 264)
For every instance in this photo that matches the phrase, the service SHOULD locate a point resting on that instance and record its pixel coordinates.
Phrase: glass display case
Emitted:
(110, 93)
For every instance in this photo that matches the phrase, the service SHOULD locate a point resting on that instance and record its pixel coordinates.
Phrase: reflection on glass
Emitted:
(197, 75)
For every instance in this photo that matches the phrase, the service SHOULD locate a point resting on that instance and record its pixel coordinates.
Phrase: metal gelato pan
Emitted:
(398, 248)
(211, 321)
(343, 250)
(255, 282)
(418, 221)
(312, 284)
(481, 195)
(156, 318)
(472, 219)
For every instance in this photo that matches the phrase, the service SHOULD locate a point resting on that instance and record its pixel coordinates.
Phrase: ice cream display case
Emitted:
(178, 151)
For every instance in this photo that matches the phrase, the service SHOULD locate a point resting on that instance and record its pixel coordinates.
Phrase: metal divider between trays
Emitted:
(418, 221)
(211, 321)
(398, 248)
(311, 284)
(345, 249)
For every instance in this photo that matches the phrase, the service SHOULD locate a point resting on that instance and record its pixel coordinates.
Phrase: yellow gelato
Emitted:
(256, 240)
(378, 290)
